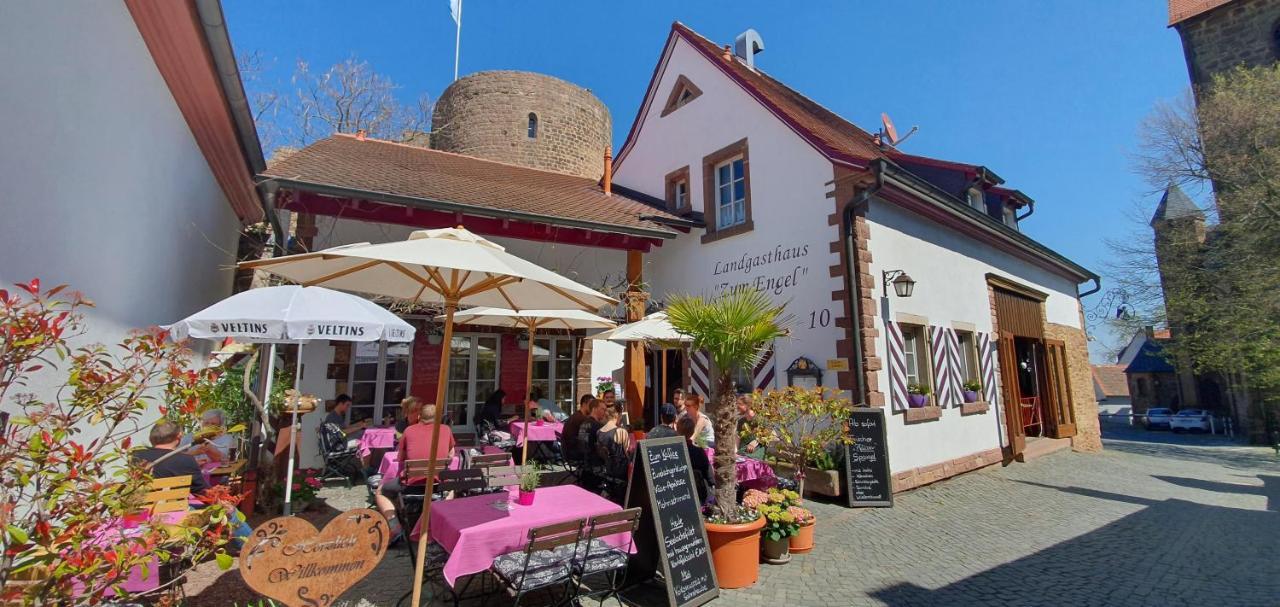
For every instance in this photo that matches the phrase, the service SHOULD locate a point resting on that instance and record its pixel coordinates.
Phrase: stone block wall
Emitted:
(1242, 32)
(1088, 433)
(487, 115)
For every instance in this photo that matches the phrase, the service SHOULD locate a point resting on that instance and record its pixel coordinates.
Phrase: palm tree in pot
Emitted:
(734, 330)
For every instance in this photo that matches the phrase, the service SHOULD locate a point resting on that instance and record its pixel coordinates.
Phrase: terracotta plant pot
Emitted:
(802, 542)
(775, 552)
(525, 498)
(970, 396)
(917, 400)
(735, 551)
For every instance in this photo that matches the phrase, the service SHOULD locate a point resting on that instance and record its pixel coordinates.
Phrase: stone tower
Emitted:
(1179, 227)
(524, 118)
(1220, 34)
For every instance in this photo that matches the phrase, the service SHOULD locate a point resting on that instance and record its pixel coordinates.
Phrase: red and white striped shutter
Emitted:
(987, 367)
(943, 366)
(700, 370)
(897, 366)
(763, 373)
(957, 376)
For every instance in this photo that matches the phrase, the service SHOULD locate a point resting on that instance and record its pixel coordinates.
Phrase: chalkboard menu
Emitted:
(671, 532)
(866, 462)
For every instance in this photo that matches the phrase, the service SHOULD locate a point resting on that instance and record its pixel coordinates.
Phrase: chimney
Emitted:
(360, 135)
(728, 54)
(608, 172)
(747, 45)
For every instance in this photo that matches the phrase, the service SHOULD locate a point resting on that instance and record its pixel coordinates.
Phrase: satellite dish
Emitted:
(889, 130)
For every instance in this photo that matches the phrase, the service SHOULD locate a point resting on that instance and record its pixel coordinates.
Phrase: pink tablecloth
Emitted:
(752, 473)
(546, 432)
(476, 530)
(138, 581)
(376, 438)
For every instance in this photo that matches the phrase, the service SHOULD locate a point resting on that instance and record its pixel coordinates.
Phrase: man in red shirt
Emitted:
(416, 443)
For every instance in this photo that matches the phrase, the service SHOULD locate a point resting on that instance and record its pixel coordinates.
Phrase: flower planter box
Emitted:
(970, 396)
(816, 482)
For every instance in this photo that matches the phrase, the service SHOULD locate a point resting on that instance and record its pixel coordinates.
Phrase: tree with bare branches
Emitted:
(350, 97)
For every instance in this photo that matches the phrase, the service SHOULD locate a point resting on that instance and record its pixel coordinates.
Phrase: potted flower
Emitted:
(799, 425)
(734, 329)
(971, 390)
(780, 523)
(306, 484)
(529, 480)
(604, 383)
(802, 541)
(917, 395)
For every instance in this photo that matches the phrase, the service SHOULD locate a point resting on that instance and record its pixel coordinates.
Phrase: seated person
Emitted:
(164, 460)
(212, 443)
(338, 417)
(411, 407)
(416, 445)
(697, 458)
(748, 445)
(491, 410)
(668, 426)
(588, 431)
(548, 410)
(704, 435)
(569, 435)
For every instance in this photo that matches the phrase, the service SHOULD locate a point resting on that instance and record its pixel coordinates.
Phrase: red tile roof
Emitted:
(1111, 379)
(824, 129)
(405, 171)
(1181, 10)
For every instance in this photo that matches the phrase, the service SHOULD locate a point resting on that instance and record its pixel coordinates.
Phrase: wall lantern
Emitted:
(522, 342)
(903, 285)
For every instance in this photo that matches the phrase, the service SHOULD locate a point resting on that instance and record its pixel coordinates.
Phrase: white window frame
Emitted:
(737, 207)
(379, 381)
(968, 356)
(473, 392)
(913, 336)
(552, 376)
(681, 194)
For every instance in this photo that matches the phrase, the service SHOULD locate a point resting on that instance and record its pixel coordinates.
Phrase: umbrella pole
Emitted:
(657, 419)
(528, 384)
(424, 523)
(293, 436)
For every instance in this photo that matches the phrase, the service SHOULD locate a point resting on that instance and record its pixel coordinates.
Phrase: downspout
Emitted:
(1097, 286)
(1031, 209)
(859, 202)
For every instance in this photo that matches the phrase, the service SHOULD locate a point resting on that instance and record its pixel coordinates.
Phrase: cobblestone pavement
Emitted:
(1143, 523)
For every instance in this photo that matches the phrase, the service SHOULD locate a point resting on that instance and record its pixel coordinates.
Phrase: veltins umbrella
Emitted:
(452, 266)
(292, 314)
(532, 320)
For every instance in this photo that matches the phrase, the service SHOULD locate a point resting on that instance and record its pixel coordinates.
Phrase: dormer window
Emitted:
(976, 200)
(533, 125)
(678, 190)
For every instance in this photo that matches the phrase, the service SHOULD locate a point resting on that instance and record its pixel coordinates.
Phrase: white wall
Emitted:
(788, 197)
(950, 272)
(102, 186)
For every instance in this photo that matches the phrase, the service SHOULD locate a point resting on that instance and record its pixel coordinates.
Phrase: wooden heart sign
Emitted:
(286, 559)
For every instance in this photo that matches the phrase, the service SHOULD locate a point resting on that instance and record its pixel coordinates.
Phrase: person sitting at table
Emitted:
(212, 443)
(667, 428)
(416, 443)
(677, 399)
(164, 460)
(704, 434)
(748, 444)
(569, 433)
(338, 417)
(698, 460)
(548, 409)
(491, 410)
(609, 398)
(613, 445)
(411, 407)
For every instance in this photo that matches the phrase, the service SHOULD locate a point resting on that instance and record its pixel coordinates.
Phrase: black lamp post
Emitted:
(903, 285)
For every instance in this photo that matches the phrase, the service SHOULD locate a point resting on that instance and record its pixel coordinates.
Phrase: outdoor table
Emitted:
(545, 432)
(476, 530)
(376, 438)
(390, 466)
(752, 473)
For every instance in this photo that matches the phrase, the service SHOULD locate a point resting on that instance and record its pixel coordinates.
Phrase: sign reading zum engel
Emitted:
(288, 560)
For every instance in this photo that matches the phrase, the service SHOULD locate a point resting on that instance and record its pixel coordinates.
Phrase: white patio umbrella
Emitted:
(292, 314)
(532, 320)
(452, 266)
(654, 330)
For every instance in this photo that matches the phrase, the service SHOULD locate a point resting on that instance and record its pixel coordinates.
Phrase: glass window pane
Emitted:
(397, 369)
(737, 169)
(564, 349)
(564, 393)
(399, 350)
(486, 369)
(461, 345)
(393, 393)
(457, 392)
(366, 371)
(484, 389)
(739, 212)
(360, 413)
(362, 393)
(722, 175)
(564, 369)
(739, 190)
(540, 384)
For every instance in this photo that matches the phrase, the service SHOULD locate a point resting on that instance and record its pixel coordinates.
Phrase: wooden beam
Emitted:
(340, 273)
(633, 357)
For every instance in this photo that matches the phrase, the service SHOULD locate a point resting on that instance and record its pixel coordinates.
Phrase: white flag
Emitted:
(455, 9)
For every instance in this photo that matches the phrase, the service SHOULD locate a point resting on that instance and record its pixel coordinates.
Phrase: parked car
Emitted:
(1159, 417)
(1195, 420)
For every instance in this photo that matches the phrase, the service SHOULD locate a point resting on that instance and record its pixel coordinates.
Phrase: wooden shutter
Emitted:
(897, 366)
(1011, 395)
(1059, 408)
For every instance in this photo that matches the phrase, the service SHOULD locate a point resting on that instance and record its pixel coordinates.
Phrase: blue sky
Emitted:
(1049, 95)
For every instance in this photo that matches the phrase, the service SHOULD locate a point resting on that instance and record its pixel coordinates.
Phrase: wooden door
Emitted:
(1059, 410)
(1011, 395)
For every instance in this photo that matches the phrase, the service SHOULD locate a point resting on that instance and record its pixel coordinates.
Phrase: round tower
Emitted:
(524, 118)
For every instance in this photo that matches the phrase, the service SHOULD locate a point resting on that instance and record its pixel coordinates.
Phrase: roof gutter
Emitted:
(453, 207)
(851, 287)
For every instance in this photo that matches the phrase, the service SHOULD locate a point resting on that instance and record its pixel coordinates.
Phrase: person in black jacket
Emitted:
(697, 458)
(164, 459)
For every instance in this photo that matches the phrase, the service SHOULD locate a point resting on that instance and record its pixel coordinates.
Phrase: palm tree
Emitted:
(734, 330)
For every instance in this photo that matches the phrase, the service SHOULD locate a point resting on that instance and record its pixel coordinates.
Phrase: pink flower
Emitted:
(297, 486)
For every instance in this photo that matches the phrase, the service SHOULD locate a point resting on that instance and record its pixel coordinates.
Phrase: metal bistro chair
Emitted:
(340, 461)
(409, 510)
(500, 478)
(597, 558)
(545, 562)
(168, 495)
(490, 460)
(461, 482)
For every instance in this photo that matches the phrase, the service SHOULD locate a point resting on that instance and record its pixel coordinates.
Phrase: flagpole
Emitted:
(457, 42)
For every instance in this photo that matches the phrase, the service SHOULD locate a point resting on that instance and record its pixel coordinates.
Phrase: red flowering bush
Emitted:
(306, 482)
(66, 478)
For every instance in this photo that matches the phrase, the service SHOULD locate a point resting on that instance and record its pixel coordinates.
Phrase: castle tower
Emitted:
(1179, 227)
(1220, 34)
(524, 118)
